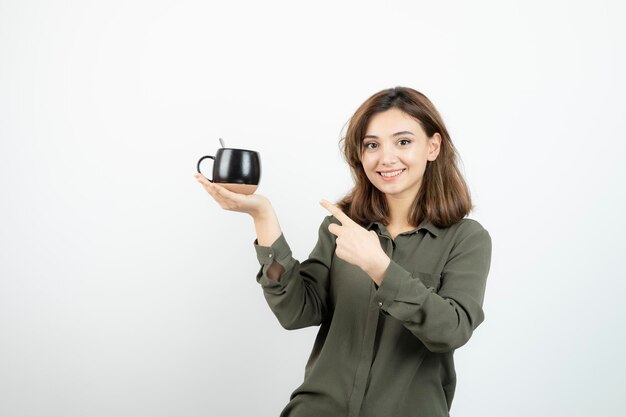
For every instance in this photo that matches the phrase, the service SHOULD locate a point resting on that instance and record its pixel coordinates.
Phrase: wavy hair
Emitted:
(443, 198)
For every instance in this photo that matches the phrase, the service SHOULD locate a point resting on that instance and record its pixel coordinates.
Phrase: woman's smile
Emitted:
(391, 175)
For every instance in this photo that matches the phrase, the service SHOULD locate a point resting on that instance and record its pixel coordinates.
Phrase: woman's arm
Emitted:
(296, 293)
(257, 206)
(267, 231)
(442, 320)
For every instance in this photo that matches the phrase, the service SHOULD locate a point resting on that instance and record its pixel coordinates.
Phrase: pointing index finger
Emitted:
(336, 211)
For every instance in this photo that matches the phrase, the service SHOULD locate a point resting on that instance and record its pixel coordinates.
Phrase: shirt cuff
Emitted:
(278, 251)
(398, 281)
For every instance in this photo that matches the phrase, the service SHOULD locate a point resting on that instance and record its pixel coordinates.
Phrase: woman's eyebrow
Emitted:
(395, 134)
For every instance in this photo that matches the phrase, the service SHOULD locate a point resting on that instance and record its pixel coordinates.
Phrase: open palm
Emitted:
(228, 200)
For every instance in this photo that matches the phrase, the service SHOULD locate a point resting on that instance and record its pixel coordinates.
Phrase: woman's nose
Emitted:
(389, 156)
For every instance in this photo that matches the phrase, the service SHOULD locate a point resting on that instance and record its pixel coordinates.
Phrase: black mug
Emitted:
(238, 170)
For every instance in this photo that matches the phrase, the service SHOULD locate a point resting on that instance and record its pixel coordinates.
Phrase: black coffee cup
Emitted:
(238, 170)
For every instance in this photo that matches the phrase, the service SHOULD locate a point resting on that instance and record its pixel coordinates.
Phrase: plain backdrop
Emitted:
(125, 290)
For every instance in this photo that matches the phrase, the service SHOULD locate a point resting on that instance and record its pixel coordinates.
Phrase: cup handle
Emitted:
(202, 159)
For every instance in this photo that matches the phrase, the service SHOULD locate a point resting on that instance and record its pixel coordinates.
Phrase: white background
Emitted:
(126, 291)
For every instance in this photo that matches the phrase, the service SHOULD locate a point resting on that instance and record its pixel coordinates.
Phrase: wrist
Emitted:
(266, 226)
(377, 268)
(263, 212)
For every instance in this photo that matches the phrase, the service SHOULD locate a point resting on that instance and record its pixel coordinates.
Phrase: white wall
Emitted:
(126, 291)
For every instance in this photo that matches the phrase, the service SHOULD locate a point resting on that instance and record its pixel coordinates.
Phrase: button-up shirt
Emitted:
(381, 351)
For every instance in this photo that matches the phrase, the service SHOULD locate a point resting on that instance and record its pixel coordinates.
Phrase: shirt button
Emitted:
(380, 304)
(270, 255)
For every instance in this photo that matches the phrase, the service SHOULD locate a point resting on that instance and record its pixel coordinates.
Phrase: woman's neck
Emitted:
(399, 209)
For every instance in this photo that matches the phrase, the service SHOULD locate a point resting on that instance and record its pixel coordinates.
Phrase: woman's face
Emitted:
(395, 142)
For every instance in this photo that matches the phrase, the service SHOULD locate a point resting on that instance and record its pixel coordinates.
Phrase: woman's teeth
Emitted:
(391, 174)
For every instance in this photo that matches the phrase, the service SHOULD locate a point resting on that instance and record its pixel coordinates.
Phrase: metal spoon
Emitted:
(222, 142)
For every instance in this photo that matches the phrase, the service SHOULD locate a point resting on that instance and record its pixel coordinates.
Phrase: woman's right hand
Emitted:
(253, 204)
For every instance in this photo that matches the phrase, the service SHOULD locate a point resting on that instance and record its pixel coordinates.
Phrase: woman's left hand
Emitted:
(356, 245)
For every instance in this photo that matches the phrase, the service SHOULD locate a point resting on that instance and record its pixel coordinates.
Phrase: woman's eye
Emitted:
(405, 140)
(367, 145)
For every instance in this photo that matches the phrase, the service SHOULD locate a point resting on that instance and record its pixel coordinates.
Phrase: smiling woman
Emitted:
(394, 163)
(397, 277)
(395, 130)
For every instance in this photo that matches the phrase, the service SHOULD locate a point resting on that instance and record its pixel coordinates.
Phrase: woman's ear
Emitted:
(434, 146)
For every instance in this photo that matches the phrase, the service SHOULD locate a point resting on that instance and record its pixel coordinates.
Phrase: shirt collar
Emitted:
(434, 230)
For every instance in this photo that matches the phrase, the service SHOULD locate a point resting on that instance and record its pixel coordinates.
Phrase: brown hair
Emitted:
(443, 199)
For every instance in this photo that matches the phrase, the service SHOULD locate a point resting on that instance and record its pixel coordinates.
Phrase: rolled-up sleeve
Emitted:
(280, 252)
(442, 319)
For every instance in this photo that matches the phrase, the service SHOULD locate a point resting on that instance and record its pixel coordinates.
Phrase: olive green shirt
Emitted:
(388, 351)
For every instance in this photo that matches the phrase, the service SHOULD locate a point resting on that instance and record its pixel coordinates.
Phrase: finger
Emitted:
(217, 192)
(225, 192)
(202, 179)
(335, 229)
(208, 185)
(336, 211)
(229, 199)
(211, 188)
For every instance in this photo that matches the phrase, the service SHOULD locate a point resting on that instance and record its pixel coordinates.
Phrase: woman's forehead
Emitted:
(391, 123)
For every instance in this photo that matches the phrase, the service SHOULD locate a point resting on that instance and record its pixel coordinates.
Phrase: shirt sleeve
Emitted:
(443, 320)
(300, 298)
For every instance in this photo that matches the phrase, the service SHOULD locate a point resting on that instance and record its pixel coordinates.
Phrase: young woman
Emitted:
(397, 278)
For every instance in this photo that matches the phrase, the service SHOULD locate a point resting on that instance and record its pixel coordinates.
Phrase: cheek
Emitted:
(416, 159)
(367, 163)
(368, 168)
(369, 160)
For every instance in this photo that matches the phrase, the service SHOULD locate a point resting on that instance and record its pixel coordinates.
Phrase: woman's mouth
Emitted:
(391, 175)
